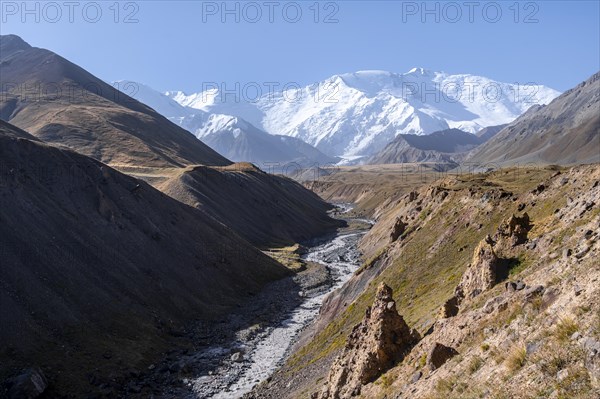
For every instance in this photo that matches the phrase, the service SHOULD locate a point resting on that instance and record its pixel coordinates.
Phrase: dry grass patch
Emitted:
(475, 364)
(565, 328)
(516, 358)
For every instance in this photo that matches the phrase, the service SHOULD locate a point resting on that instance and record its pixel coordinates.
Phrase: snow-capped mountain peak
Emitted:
(421, 72)
(356, 114)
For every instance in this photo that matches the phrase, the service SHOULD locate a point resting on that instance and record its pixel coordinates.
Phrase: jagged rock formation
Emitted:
(482, 274)
(514, 229)
(375, 345)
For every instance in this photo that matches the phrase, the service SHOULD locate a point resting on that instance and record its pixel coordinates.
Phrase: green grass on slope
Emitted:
(423, 279)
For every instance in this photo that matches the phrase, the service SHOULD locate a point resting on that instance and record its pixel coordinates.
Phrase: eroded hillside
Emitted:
(497, 272)
(267, 210)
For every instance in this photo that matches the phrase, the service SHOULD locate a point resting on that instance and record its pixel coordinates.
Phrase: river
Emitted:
(248, 346)
(232, 368)
(341, 258)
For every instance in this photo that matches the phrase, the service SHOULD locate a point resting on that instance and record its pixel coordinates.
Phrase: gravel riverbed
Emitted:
(245, 349)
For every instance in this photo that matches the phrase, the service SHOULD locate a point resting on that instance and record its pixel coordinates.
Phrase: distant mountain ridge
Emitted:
(233, 137)
(444, 147)
(356, 114)
(566, 131)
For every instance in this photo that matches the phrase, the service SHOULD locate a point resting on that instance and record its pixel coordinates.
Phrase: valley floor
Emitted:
(228, 358)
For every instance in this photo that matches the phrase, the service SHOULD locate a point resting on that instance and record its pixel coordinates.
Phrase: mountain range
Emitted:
(232, 136)
(564, 132)
(355, 115)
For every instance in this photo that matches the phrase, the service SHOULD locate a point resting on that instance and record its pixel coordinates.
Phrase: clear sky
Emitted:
(182, 45)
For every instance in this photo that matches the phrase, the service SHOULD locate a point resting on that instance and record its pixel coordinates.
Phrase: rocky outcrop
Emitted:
(514, 230)
(482, 274)
(398, 229)
(438, 355)
(375, 345)
(487, 268)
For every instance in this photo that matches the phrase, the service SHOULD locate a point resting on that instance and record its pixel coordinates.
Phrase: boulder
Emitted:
(397, 230)
(550, 296)
(375, 345)
(438, 355)
(416, 376)
(237, 357)
(28, 385)
(532, 292)
(512, 286)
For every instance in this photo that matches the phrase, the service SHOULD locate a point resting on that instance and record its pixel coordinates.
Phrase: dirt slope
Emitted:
(268, 210)
(370, 187)
(99, 271)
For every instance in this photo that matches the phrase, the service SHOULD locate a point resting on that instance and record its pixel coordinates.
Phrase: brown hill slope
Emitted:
(61, 103)
(94, 119)
(432, 241)
(98, 270)
(6, 129)
(267, 210)
(566, 131)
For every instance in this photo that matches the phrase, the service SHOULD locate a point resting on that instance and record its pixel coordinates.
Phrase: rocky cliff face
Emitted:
(375, 345)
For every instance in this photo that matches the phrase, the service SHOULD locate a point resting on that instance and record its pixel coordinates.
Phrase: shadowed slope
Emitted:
(267, 210)
(98, 269)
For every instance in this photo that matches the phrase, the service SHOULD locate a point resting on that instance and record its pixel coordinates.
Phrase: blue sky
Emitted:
(185, 44)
